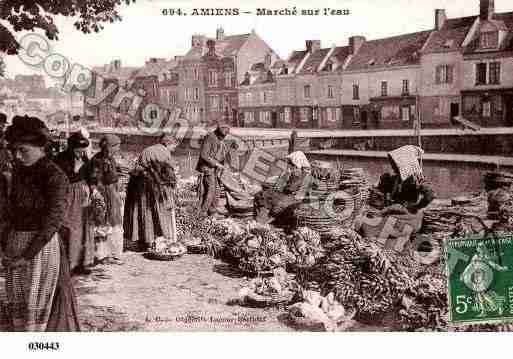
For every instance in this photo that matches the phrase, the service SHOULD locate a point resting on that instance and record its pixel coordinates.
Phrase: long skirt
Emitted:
(114, 219)
(146, 217)
(30, 289)
(80, 240)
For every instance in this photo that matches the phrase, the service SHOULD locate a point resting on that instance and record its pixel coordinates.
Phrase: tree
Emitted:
(31, 15)
(2, 67)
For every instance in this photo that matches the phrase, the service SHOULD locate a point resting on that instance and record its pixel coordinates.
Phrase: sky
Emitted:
(144, 32)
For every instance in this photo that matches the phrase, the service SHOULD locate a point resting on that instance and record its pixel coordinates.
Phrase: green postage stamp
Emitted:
(480, 279)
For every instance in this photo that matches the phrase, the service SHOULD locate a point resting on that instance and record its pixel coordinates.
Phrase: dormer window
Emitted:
(329, 66)
(489, 40)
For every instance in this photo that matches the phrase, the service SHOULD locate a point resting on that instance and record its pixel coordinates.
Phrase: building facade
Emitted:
(487, 93)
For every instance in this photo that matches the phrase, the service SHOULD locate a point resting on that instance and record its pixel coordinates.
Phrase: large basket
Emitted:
(161, 256)
(263, 301)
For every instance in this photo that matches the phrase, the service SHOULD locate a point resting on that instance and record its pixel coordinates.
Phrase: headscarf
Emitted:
(29, 130)
(405, 160)
(109, 140)
(299, 160)
(77, 140)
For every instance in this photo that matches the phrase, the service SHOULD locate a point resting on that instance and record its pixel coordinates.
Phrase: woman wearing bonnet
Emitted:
(39, 292)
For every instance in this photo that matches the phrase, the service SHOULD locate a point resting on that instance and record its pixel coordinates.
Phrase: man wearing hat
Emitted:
(210, 165)
(75, 164)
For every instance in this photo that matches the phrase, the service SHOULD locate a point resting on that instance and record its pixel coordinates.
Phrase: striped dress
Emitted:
(39, 295)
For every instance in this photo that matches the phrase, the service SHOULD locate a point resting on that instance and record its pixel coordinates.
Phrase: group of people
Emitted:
(49, 227)
(62, 213)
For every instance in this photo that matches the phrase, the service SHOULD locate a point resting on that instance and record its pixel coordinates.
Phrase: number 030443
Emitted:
(39, 346)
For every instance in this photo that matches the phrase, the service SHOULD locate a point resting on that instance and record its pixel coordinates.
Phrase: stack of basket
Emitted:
(318, 214)
(495, 180)
(354, 182)
(326, 179)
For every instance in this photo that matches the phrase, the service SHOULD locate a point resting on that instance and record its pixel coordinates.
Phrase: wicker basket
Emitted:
(161, 256)
(264, 301)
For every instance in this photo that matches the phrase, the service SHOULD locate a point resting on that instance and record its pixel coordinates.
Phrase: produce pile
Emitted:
(377, 283)
(326, 179)
(259, 248)
(447, 217)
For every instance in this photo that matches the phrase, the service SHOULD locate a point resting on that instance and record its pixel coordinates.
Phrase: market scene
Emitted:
(243, 210)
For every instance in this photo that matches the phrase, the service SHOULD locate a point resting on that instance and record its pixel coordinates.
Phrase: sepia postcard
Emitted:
(255, 166)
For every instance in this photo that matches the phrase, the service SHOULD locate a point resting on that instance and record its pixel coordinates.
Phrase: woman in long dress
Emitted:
(150, 198)
(80, 242)
(39, 292)
(290, 189)
(104, 178)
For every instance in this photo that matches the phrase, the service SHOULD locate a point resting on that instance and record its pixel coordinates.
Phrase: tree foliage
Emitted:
(32, 15)
(2, 67)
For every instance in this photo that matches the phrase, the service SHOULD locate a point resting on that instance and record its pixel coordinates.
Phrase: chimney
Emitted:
(220, 34)
(440, 18)
(313, 45)
(116, 64)
(487, 9)
(355, 42)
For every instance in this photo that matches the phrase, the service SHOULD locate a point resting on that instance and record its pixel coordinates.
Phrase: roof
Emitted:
(451, 36)
(314, 60)
(229, 46)
(389, 52)
(278, 64)
(503, 22)
(155, 68)
(296, 57)
(122, 73)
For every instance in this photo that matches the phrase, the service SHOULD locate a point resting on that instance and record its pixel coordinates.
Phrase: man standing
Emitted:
(210, 165)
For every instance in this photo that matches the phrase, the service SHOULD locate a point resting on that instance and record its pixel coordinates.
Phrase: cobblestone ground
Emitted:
(193, 293)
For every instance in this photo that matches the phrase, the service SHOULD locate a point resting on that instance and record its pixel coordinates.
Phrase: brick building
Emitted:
(210, 72)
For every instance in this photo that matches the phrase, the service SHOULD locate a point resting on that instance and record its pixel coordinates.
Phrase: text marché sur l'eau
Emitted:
(302, 12)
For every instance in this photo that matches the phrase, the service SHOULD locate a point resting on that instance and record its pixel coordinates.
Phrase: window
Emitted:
(196, 73)
(196, 93)
(384, 88)
(187, 93)
(212, 78)
(406, 87)
(305, 114)
(356, 92)
(306, 91)
(248, 98)
(331, 115)
(444, 74)
(329, 66)
(487, 109)
(356, 115)
(330, 91)
(265, 117)
(338, 112)
(264, 97)
(489, 40)
(286, 115)
(481, 74)
(228, 79)
(495, 73)
(248, 117)
(405, 113)
(214, 102)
